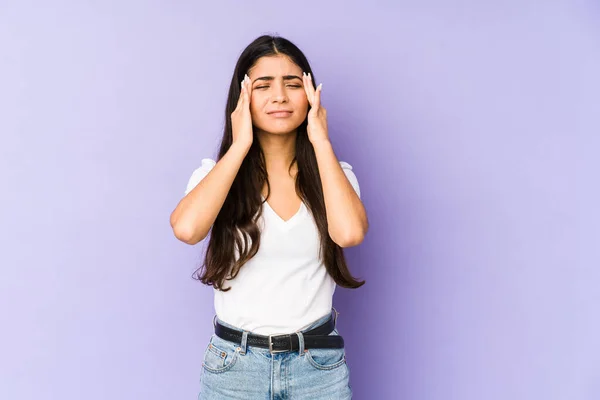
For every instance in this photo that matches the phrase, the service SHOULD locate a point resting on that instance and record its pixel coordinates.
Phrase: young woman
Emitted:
(280, 208)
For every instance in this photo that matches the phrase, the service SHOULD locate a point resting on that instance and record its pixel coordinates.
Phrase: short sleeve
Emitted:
(199, 173)
(347, 168)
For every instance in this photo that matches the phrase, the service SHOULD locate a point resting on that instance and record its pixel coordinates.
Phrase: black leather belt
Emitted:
(318, 337)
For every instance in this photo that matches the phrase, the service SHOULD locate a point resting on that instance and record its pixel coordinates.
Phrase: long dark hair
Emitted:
(243, 204)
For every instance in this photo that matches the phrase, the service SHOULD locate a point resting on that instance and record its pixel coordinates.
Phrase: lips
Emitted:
(280, 113)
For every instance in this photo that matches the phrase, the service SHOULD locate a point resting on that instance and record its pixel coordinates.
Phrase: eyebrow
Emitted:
(272, 78)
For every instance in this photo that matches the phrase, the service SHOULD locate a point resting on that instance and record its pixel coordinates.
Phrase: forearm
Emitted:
(196, 212)
(346, 215)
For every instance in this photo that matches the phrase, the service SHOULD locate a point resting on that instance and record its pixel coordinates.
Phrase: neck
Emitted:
(279, 150)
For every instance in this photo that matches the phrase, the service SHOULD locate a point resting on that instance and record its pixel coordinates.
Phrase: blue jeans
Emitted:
(238, 371)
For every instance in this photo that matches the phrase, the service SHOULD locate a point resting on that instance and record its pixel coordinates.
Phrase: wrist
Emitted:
(238, 147)
(321, 144)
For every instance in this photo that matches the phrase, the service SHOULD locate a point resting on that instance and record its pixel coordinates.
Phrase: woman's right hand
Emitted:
(241, 120)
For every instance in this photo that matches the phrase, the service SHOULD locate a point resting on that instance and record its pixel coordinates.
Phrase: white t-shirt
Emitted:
(284, 287)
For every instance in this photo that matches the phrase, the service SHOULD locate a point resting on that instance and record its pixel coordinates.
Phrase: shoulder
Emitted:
(347, 168)
(206, 164)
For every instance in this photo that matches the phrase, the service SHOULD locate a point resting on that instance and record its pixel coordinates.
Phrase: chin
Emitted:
(280, 129)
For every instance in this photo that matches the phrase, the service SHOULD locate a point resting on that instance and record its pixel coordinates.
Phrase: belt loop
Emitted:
(244, 343)
(300, 343)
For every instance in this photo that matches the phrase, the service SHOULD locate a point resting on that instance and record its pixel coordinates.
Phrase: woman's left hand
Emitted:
(317, 116)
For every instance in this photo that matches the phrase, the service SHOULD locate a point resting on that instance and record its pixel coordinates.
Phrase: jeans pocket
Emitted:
(220, 355)
(328, 358)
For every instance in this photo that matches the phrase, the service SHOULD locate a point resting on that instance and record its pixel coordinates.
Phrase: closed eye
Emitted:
(266, 87)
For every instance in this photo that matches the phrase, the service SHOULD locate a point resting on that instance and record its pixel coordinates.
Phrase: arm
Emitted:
(196, 212)
(346, 215)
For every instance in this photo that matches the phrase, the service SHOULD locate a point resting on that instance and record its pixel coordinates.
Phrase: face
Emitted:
(278, 104)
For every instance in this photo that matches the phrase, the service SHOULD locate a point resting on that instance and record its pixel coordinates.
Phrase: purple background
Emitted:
(473, 128)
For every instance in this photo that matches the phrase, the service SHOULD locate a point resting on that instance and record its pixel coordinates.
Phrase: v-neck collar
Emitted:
(284, 223)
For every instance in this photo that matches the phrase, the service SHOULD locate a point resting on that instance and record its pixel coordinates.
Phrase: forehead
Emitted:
(278, 65)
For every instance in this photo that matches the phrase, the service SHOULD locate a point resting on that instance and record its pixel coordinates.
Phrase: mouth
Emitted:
(280, 113)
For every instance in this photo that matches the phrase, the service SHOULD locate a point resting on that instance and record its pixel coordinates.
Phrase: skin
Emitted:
(276, 83)
(272, 88)
(346, 216)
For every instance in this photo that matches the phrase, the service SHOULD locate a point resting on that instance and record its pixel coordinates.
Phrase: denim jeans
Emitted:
(239, 371)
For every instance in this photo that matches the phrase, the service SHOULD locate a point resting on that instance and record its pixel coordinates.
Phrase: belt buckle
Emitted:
(271, 343)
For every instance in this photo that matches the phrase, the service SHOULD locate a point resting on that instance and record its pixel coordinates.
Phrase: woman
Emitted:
(280, 207)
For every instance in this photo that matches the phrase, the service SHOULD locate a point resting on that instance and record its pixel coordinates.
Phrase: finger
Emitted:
(305, 83)
(241, 97)
(311, 88)
(244, 91)
(248, 87)
(317, 100)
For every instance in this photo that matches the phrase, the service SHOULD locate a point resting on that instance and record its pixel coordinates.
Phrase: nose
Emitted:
(279, 94)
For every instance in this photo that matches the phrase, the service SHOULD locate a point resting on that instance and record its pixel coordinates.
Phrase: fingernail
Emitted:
(320, 86)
